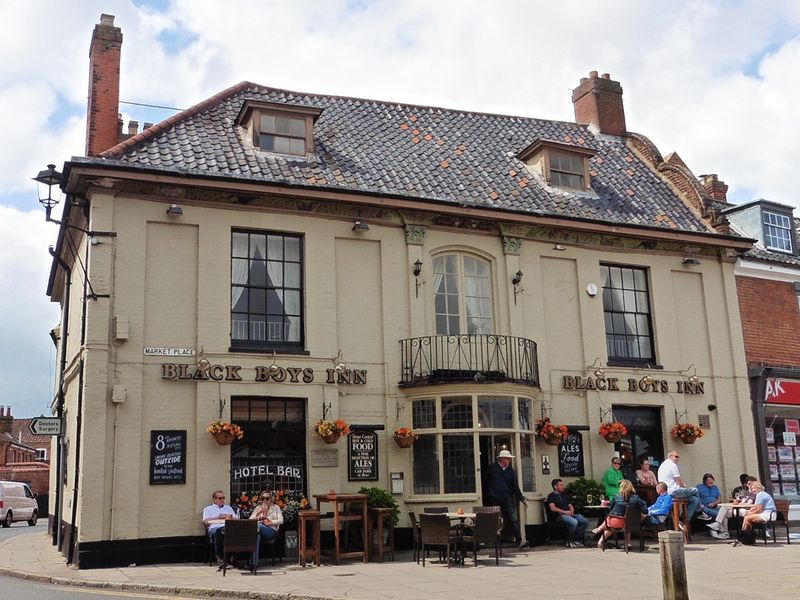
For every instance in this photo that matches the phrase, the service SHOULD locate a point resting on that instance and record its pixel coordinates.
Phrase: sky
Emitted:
(716, 81)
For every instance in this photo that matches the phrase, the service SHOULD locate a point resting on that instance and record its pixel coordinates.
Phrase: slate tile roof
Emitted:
(427, 153)
(20, 430)
(758, 252)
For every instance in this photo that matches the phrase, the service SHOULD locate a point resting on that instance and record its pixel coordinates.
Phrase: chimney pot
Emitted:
(598, 102)
(605, 76)
(2, 411)
(133, 127)
(107, 20)
(584, 79)
(716, 188)
(146, 125)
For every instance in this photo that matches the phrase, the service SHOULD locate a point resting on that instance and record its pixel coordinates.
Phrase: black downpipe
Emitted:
(79, 417)
(57, 521)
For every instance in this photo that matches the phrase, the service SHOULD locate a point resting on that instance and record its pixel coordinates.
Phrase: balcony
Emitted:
(439, 359)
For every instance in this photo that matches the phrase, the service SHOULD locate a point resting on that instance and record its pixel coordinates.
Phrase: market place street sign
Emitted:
(46, 426)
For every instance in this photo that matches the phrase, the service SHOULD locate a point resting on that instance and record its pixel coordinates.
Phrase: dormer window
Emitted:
(561, 165)
(778, 231)
(280, 128)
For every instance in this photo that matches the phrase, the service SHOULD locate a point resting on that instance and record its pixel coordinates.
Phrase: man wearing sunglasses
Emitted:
(669, 473)
(214, 517)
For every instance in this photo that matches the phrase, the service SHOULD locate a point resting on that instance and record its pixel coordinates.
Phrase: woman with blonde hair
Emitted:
(762, 511)
(616, 512)
(269, 517)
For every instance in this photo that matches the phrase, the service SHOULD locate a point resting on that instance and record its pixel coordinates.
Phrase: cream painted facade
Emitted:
(165, 281)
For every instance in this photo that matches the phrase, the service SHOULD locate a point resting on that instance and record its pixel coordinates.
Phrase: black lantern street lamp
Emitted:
(48, 178)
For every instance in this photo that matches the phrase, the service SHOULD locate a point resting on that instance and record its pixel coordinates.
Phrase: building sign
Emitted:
(783, 391)
(266, 471)
(324, 457)
(645, 384)
(167, 457)
(570, 456)
(169, 352)
(271, 373)
(362, 456)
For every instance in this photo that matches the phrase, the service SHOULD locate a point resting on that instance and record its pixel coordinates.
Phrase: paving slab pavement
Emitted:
(715, 570)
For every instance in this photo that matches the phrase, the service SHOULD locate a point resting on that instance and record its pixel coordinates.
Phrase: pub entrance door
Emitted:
(644, 439)
(490, 445)
(272, 454)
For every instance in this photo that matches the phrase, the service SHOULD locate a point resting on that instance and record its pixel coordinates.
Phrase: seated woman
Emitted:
(762, 510)
(616, 513)
(645, 475)
(269, 518)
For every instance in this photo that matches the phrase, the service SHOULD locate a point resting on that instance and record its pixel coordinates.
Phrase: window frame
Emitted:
(250, 117)
(540, 152)
(463, 319)
(267, 345)
(616, 360)
(789, 228)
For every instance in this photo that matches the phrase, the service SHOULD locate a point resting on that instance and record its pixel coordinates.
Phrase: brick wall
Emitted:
(598, 101)
(770, 321)
(102, 119)
(36, 475)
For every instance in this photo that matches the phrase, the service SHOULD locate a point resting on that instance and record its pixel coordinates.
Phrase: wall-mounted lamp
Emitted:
(597, 368)
(559, 247)
(515, 282)
(693, 378)
(417, 270)
(174, 210)
(273, 368)
(339, 365)
(689, 260)
(711, 407)
(360, 226)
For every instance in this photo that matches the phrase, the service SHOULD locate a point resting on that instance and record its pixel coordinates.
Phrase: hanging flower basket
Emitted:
(552, 435)
(404, 437)
(331, 431)
(688, 433)
(225, 432)
(612, 431)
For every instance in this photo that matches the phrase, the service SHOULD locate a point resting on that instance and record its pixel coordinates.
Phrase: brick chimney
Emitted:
(102, 111)
(715, 187)
(5, 419)
(598, 101)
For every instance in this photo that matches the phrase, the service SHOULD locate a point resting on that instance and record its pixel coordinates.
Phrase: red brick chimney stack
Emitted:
(5, 419)
(598, 101)
(715, 187)
(102, 111)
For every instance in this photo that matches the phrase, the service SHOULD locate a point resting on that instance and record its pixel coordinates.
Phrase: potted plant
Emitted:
(224, 432)
(584, 491)
(612, 431)
(331, 431)
(687, 432)
(550, 433)
(404, 437)
(245, 503)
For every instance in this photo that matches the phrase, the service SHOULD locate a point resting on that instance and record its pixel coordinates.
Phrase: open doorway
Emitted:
(644, 439)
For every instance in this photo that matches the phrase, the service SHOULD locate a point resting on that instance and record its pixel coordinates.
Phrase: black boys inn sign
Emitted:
(187, 372)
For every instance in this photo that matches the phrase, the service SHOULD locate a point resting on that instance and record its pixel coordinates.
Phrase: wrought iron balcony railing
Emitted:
(468, 358)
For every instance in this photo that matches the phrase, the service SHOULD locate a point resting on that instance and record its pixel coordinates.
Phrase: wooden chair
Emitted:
(435, 531)
(240, 536)
(633, 524)
(680, 518)
(308, 522)
(781, 515)
(485, 531)
(416, 536)
(554, 525)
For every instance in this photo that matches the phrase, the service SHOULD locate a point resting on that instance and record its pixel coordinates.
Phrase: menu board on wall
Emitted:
(362, 456)
(167, 457)
(570, 456)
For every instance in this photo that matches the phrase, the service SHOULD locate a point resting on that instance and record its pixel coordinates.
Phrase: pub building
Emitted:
(274, 258)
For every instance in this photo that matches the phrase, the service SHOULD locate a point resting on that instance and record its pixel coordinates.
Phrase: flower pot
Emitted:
(331, 438)
(612, 438)
(689, 439)
(552, 440)
(405, 442)
(223, 438)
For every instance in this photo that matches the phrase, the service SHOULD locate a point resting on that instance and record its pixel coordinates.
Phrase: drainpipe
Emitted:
(60, 402)
(79, 416)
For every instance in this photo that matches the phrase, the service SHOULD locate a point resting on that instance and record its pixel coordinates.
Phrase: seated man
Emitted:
(214, 517)
(657, 513)
(710, 497)
(561, 508)
(669, 473)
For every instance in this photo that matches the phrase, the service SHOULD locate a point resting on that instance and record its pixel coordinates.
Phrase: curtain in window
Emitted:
(240, 268)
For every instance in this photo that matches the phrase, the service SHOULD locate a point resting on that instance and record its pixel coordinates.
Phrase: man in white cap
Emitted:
(503, 490)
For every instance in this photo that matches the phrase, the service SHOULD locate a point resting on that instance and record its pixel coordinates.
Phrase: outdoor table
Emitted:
(383, 522)
(339, 517)
(736, 512)
(462, 518)
(597, 510)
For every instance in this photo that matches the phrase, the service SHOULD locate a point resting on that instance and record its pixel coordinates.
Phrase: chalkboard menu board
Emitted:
(362, 456)
(167, 457)
(570, 456)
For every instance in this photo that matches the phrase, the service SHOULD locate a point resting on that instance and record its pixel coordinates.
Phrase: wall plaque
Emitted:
(570, 456)
(324, 457)
(362, 456)
(167, 457)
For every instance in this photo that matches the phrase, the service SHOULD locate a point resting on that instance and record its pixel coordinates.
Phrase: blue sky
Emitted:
(715, 81)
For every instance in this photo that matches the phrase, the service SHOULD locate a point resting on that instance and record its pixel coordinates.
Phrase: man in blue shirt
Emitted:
(560, 506)
(659, 511)
(709, 496)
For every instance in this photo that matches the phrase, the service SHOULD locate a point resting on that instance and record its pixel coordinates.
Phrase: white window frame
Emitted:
(483, 314)
(776, 222)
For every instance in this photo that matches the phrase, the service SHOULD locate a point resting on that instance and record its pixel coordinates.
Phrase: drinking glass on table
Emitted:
(589, 499)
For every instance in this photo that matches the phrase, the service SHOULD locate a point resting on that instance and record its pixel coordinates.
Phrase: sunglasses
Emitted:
(219, 497)
(266, 497)
(616, 463)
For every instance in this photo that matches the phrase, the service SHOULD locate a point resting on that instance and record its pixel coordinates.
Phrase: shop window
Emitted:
(449, 429)
(626, 308)
(463, 302)
(266, 290)
(778, 231)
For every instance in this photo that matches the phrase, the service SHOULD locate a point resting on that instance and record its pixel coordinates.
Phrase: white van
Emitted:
(17, 503)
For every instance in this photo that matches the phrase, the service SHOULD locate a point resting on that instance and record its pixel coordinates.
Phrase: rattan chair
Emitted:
(781, 515)
(435, 531)
(554, 525)
(415, 535)
(240, 536)
(485, 531)
(633, 524)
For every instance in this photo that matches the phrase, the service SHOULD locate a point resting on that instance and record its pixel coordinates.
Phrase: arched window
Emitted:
(463, 295)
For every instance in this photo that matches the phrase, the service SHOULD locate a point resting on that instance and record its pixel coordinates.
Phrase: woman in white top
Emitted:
(269, 518)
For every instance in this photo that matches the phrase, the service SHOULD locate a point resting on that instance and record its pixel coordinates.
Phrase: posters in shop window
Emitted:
(772, 454)
(570, 456)
(785, 454)
(167, 457)
(792, 425)
(789, 438)
(770, 435)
